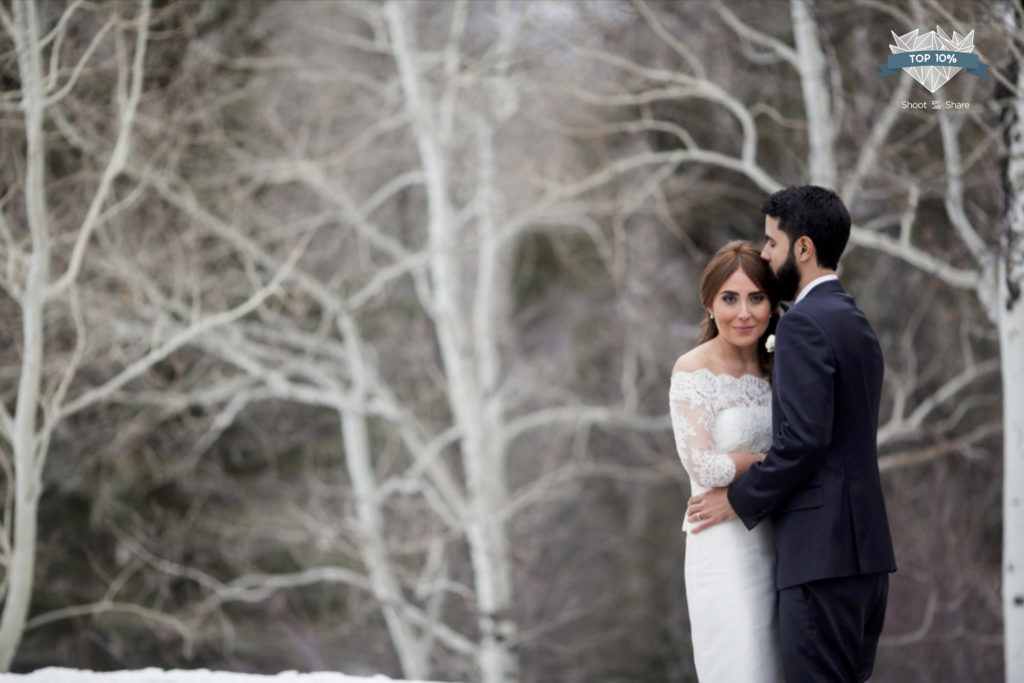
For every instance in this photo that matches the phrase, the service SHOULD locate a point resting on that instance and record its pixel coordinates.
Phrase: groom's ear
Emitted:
(804, 249)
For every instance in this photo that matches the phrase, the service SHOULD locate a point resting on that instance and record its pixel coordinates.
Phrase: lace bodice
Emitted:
(713, 415)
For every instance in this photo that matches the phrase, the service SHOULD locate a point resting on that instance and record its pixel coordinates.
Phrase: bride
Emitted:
(720, 402)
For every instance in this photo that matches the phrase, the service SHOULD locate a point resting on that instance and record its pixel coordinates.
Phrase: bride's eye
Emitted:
(729, 298)
(757, 298)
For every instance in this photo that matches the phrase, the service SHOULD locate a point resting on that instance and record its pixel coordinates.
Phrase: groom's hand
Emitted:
(709, 509)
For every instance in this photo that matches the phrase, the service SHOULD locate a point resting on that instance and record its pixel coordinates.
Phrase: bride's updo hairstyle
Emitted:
(734, 256)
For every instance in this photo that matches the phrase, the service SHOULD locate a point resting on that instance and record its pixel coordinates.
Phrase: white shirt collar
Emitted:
(812, 284)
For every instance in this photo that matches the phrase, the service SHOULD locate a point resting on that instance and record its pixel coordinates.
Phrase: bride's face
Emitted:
(741, 309)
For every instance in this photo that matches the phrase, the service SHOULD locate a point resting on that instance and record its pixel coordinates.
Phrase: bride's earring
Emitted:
(711, 316)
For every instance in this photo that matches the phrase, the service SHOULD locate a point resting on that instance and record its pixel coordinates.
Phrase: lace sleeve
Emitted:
(692, 420)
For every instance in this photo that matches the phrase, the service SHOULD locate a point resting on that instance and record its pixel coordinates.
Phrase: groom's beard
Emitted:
(787, 279)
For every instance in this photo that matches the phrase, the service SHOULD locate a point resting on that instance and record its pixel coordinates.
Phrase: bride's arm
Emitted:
(692, 417)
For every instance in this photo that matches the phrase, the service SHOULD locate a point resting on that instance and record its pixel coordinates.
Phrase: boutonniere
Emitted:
(769, 343)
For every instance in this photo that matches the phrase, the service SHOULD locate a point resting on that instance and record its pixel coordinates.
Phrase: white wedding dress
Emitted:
(730, 571)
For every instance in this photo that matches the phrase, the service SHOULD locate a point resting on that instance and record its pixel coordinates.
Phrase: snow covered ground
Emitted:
(56, 675)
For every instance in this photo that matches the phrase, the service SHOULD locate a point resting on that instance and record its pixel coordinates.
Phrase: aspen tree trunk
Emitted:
(817, 96)
(1011, 338)
(27, 466)
(411, 652)
(1011, 342)
(468, 364)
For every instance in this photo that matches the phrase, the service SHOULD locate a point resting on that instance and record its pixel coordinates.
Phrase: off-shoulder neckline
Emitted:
(722, 375)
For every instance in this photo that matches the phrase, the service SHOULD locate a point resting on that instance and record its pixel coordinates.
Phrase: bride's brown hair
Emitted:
(734, 256)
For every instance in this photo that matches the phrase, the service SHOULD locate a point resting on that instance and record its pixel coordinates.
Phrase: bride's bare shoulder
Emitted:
(695, 359)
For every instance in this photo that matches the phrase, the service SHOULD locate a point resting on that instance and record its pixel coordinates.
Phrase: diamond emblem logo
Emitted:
(932, 58)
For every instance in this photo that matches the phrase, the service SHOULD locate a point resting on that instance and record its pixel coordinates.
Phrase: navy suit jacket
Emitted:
(819, 482)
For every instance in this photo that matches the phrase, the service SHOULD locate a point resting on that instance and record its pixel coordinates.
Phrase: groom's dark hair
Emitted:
(816, 212)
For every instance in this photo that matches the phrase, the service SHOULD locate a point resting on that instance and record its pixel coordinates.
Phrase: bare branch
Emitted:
(900, 427)
(950, 129)
(186, 336)
(955, 277)
(659, 28)
(128, 96)
(584, 415)
(151, 616)
(747, 32)
(917, 456)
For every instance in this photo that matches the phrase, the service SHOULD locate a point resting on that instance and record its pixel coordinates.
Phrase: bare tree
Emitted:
(431, 527)
(52, 69)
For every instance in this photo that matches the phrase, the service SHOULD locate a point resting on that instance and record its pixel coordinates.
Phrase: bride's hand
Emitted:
(709, 509)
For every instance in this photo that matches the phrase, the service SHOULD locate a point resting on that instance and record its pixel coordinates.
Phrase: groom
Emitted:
(819, 483)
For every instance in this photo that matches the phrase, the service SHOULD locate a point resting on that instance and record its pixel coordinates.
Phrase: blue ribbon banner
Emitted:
(905, 60)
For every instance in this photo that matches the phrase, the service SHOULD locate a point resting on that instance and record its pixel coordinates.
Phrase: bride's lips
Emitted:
(744, 330)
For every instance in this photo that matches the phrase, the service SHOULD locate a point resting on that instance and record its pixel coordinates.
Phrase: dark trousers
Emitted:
(829, 629)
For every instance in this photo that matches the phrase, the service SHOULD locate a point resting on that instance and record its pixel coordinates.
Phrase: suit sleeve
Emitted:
(804, 377)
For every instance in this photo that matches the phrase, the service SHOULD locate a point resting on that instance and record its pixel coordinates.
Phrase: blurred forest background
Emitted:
(337, 335)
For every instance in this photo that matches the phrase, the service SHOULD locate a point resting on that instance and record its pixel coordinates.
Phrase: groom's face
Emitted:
(778, 252)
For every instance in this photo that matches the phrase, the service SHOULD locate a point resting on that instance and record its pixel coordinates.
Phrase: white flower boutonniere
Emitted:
(769, 343)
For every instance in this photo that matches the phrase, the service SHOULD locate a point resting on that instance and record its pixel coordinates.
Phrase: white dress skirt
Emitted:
(729, 571)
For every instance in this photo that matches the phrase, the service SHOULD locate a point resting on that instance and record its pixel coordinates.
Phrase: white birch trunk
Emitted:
(1011, 338)
(487, 485)
(817, 95)
(481, 445)
(412, 653)
(25, 437)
